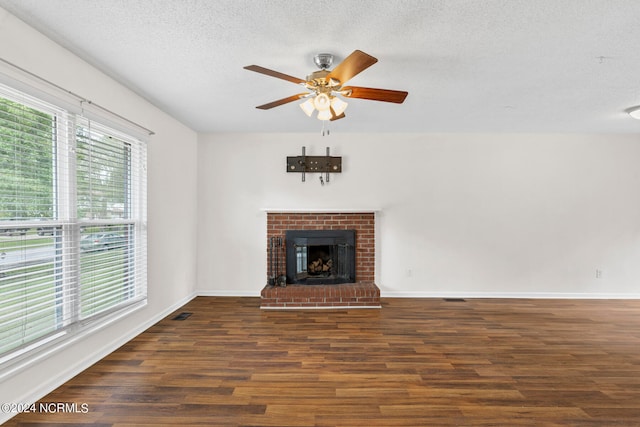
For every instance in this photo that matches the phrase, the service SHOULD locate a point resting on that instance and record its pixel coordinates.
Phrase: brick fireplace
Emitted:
(361, 293)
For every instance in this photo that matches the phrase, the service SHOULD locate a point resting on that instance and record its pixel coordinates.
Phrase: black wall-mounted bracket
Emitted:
(323, 164)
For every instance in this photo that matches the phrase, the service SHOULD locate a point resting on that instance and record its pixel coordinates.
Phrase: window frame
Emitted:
(65, 219)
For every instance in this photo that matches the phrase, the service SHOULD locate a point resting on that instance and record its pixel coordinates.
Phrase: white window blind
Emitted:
(72, 222)
(110, 192)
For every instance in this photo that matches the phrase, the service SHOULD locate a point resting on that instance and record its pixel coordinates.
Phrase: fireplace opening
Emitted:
(320, 256)
(315, 260)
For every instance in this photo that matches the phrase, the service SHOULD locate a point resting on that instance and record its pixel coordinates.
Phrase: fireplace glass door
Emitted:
(320, 256)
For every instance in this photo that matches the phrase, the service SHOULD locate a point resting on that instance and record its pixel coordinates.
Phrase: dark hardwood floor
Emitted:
(415, 362)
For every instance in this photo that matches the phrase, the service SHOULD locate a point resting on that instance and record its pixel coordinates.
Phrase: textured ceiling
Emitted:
(468, 65)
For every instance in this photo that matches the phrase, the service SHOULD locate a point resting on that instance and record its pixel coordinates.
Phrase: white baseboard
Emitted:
(414, 294)
(227, 293)
(505, 295)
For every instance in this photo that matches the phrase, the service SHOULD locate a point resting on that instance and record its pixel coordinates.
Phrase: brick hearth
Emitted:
(363, 293)
(321, 296)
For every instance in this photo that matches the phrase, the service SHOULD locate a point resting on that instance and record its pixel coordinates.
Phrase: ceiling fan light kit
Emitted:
(324, 86)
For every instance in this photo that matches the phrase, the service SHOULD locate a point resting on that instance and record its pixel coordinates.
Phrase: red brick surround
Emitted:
(363, 223)
(362, 293)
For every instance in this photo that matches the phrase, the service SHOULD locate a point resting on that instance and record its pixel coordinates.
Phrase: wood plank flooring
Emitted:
(415, 362)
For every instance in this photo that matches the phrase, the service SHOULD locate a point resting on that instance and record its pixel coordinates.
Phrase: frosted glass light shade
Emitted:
(322, 102)
(307, 107)
(338, 105)
(324, 115)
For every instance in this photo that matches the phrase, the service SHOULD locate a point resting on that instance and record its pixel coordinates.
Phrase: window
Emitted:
(72, 222)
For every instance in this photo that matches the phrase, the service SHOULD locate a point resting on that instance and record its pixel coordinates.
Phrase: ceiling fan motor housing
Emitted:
(318, 82)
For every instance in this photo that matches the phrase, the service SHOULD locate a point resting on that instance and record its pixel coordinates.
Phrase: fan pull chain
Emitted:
(325, 131)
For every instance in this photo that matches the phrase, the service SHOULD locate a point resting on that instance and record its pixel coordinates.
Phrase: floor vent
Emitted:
(182, 316)
(455, 300)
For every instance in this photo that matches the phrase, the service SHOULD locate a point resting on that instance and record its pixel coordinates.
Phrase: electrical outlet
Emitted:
(409, 272)
(598, 274)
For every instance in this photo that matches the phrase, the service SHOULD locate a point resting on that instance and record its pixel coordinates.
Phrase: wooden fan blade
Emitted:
(384, 95)
(353, 64)
(268, 72)
(282, 101)
(334, 116)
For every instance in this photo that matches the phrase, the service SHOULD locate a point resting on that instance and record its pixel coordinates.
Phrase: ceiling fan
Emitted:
(324, 86)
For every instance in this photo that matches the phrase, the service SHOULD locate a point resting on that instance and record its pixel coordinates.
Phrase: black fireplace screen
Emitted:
(320, 256)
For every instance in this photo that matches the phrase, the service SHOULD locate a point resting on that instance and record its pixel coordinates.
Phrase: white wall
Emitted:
(172, 204)
(461, 215)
